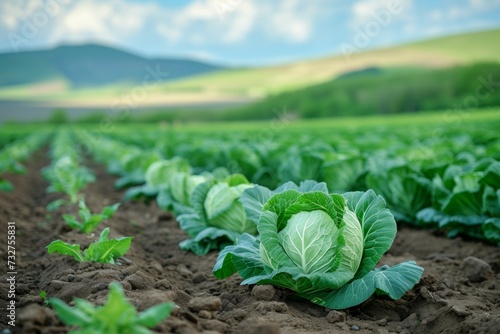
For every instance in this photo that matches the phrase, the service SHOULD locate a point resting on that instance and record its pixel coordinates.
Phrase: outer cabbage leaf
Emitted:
(491, 230)
(393, 281)
(492, 176)
(301, 166)
(159, 173)
(491, 202)
(243, 258)
(253, 200)
(182, 186)
(219, 199)
(378, 225)
(405, 191)
(346, 174)
(208, 239)
(464, 199)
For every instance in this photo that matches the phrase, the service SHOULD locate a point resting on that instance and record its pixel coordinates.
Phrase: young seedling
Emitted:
(43, 294)
(5, 185)
(102, 250)
(89, 221)
(67, 176)
(54, 205)
(117, 316)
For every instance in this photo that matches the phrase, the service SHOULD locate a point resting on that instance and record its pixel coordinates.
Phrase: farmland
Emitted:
(438, 175)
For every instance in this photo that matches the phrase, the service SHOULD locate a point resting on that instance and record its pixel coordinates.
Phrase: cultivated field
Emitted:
(206, 207)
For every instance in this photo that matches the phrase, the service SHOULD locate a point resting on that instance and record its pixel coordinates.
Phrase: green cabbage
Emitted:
(217, 218)
(323, 246)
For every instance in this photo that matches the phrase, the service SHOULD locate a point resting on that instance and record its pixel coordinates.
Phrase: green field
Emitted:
(343, 152)
(227, 196)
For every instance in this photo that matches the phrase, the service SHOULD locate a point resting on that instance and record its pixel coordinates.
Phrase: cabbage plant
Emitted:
(133, 165)
(466, 200)
(218, 218)
(116, 316)
(406, 190)
(157, 177)
(322, 246)
(177, 197)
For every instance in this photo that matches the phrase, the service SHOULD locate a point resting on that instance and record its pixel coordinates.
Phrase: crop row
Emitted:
(68, 176)
(322, 245)
(448, 180)
(15, 152)
(292, 210)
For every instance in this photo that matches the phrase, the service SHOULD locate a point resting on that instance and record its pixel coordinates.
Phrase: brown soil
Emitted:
(451, 297)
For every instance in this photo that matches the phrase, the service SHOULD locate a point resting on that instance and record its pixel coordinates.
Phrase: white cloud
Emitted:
(293, 21)
(365, 10)
(102, 21)
(199, 22)
(241, 23)
(231, 21)
(12, 13)
(75, 21)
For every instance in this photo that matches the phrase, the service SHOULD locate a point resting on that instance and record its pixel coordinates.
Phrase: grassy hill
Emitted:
(89, 66)
(373, 91)
(258, 82)
(250, 84)
(383, 92)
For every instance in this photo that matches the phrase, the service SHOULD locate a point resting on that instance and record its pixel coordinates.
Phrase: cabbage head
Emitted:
(218, 218)
(177, 197)
(322, 246)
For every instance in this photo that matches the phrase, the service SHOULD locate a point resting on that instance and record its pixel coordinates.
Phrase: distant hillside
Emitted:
(440, 52)
(379, 91)
(210, 85)
(90, 65)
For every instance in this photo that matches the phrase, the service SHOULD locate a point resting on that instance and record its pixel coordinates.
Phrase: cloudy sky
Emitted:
(238, 32)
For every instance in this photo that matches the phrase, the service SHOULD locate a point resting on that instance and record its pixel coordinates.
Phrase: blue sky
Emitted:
(237, 32)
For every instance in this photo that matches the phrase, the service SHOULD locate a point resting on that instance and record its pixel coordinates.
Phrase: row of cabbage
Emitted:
(7, 137)
(66, 173)
(15, 152)
(68, 176)
(322, 245)
(450, 181)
